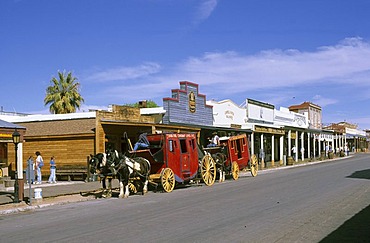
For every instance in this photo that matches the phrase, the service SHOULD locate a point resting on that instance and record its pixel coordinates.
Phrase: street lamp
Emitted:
(16, 139)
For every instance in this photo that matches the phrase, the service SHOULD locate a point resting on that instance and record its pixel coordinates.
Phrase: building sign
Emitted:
(260, 112)
(269, 130)
(187, 106)
(228, 114)
(284, 117)
(192, 102)
(5, 135)
(237, 126)
(352, 131)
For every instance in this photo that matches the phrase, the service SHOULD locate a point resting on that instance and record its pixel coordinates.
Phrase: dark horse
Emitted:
(98, 166)
(123, 168)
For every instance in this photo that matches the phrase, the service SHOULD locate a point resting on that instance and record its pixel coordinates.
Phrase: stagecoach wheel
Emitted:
(208, 170)
(168, 179)
(235, 170)
(132, 188)
(254, 165)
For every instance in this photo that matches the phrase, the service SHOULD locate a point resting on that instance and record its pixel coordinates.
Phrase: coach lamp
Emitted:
(16, 139)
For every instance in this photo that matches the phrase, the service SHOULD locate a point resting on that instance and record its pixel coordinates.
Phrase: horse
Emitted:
(98, 165)
(116, 165)
(127, 168)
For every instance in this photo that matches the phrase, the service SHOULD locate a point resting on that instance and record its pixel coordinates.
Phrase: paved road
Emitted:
(301, 204)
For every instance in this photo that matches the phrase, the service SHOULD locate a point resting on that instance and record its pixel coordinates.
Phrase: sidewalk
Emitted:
(58, 193)
(73, 191)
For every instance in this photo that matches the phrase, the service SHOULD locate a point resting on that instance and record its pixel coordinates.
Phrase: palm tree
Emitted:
(63, 95)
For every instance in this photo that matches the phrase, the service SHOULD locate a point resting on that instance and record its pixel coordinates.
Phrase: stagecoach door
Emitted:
(184, 156)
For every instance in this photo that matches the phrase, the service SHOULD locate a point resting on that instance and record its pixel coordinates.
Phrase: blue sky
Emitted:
(280, 52)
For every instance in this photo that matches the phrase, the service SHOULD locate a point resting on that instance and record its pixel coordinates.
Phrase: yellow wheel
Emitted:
(208, 170)
(132, 188)
(235, 170)
(254, 165)
(168, 180)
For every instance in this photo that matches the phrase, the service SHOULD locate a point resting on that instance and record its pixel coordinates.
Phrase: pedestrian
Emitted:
(346, 149)
(326, 150)
(294, 151)
(39, 164)
(53, 168)
(261, 156)
(142, 142)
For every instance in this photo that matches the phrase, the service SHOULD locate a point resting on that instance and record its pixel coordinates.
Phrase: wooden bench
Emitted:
(71, 173)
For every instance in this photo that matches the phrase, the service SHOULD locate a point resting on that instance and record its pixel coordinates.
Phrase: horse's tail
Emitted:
(148, 169)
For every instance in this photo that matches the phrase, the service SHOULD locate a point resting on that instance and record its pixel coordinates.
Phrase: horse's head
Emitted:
(113, 157)
(97, 162)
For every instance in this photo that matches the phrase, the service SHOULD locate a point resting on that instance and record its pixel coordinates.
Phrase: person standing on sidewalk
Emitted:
(294, 151)
(52, 170)
(39, 164)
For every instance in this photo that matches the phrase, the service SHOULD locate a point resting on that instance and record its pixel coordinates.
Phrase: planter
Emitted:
(290, 161)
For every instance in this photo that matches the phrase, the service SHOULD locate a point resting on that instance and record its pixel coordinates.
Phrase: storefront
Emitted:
(7, 149)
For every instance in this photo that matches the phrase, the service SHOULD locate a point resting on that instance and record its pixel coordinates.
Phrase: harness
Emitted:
(114, 157)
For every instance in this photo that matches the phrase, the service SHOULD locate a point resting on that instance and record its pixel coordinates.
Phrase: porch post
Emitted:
(262, 152)
(252, 143)
(314, 146)
(282, 150)
(296, 145)
(290, 143)
(273, 150)
(309, 145)
(302, 146)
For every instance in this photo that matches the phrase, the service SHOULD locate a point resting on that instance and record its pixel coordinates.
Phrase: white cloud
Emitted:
(222, 75)
(322, 101)
(205, 10)
(278, 68)
(274, 76)
(125, 73)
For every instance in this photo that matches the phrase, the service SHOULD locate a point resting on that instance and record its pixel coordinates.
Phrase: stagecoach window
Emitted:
(192, 143)
(183, 146)
(239, 148)
(170, 145)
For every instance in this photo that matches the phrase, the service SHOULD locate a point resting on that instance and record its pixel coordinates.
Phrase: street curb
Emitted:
(44, 205)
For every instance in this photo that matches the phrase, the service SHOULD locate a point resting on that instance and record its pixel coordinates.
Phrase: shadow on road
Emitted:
(362, 174)
(356, 229)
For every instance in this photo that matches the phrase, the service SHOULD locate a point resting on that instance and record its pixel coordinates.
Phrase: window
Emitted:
(170, 145)
(183, 146)
(192, 143)
(239, 147)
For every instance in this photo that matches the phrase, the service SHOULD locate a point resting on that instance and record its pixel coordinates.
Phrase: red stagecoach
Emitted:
(176, 158)
(232, 156)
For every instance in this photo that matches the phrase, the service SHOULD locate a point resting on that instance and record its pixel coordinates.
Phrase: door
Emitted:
(184, 155)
